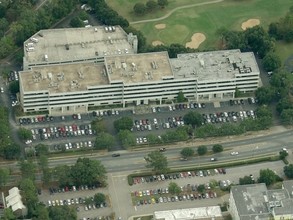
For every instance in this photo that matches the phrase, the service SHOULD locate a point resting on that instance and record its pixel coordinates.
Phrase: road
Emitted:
(248, 147)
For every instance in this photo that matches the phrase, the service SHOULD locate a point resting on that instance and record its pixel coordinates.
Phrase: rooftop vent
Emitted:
(60, 76)
(67, 46)
(50, 76)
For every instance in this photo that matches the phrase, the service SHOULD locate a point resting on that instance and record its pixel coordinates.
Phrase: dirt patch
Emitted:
(160, 26)
(250, 23)
(196, 40)
(157, 42)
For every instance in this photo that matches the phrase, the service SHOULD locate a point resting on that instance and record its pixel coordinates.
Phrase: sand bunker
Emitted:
(196, 40)
(160, 26)
(157, 42)
(250, 23)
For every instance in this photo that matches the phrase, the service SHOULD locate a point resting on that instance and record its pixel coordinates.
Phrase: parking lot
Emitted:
(78, 199)
(126, 202)
(74, 131)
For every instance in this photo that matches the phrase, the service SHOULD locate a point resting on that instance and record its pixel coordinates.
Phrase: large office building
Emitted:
(71, 70)
(256, 202)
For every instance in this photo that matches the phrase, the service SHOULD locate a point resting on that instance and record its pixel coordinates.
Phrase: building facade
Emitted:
(75, 82)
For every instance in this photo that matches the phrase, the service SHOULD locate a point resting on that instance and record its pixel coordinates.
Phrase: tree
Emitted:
(201, 188)
(267, 176)
(187, 152)
(174, 189)
(4, 175)
(14, 87)
(127, 138)
(41, 149)
(99, 198)
(29, 195)
(11, 151)
(104, 141)
(83, 15)
(139, 9)
(271, 62)
(202, 150)
(76, 22)
(62, 174)
(217, 148)
(151, 5)
(24, 134)
(283, 154)
(157, 161)
(62, 212)
(8, 214)
(287, 116)
(264, 112)
(28, 169)
(88, 172)
(42, 212)
(237, 93)
(246, 180)
(98, 125)
(288, 171)
(265, 94)
(181, 97)
(163, 3)
(7, 46)
(124, 123)
(193, 118)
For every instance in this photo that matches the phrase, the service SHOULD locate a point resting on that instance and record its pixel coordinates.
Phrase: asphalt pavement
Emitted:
(120, 191)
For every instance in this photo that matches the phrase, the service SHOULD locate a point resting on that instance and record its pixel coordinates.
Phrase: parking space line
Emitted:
(116, 197)
(115, 176)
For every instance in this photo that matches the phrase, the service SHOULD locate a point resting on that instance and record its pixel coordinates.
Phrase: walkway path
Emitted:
(176, 9)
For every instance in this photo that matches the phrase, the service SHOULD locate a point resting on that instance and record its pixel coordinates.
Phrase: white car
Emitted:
(234, 153)
(285, 149)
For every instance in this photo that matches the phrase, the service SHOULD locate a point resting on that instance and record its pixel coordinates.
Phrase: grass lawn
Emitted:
(205, 19)
(284, 50)
(125, 8)
(208, 18)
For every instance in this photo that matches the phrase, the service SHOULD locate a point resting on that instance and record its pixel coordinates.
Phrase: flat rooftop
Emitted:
(279, 200)
(75, 43)
(139, 68)
(251, 200)
(213, 65)
(63, 78)
(208, 212)
(288, 185)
